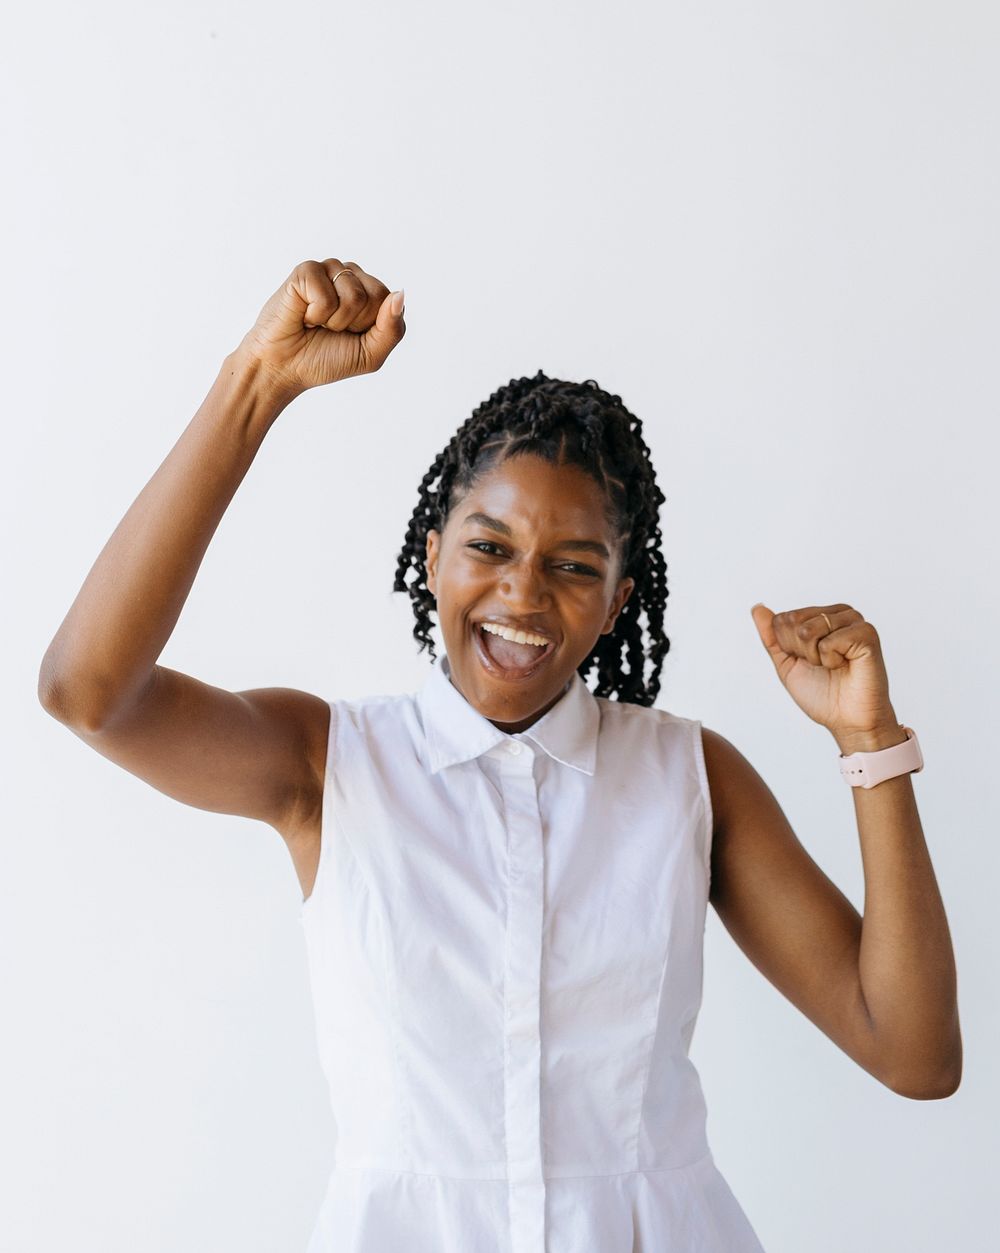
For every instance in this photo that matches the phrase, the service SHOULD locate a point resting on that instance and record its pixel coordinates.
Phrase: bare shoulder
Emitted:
(730, 777)
(301, 821)
(258, 753)
(752, 839)
(301, 825)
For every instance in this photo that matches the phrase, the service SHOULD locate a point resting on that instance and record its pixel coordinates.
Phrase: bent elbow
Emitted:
(937, 1089)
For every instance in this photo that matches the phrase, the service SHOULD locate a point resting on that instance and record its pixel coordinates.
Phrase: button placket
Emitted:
(522, 992)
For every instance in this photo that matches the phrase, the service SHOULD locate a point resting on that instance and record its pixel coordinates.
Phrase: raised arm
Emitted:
(257, 752)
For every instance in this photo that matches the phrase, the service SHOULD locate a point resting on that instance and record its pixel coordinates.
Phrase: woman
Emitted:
(505, 875)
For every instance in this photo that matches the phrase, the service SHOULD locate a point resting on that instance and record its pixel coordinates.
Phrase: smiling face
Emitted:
(529, 546)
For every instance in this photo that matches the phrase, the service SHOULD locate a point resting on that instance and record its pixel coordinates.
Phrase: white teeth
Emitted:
(518, 637)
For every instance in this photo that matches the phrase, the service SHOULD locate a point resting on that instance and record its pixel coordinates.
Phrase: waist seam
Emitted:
(500, 1178)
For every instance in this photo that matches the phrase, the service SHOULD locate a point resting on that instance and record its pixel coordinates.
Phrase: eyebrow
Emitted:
(578, 545)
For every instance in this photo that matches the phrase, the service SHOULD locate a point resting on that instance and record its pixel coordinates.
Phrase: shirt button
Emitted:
(514, 747)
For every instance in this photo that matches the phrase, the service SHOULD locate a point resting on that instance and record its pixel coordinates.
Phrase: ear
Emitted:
(431, 560)
(623, 592)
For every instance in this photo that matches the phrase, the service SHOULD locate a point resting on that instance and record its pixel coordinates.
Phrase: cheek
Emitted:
(462, 580)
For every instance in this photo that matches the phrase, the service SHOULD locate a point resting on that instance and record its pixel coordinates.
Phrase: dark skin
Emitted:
(792, 922)
(881, 987)
(531, 574)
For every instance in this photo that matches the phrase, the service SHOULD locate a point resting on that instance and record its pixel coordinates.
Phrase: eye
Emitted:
(573, 566)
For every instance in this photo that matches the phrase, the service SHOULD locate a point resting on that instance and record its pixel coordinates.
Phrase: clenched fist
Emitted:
(328, 321)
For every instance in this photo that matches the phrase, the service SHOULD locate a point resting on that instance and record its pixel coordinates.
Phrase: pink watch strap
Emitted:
(867, 769)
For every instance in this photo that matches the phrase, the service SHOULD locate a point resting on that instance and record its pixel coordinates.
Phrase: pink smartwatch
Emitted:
(867, 769)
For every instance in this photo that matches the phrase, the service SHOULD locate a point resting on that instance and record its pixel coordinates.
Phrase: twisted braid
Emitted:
(566, 423)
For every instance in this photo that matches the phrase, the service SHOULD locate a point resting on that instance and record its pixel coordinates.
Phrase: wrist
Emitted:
(870, 741)
(247, 371)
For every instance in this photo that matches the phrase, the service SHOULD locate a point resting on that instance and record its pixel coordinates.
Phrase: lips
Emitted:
(511, 673)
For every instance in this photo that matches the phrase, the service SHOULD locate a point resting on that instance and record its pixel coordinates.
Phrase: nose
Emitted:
(523, 586)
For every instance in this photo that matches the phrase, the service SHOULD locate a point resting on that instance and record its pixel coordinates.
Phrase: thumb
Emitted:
(763, 620)
(379, 340)
(762, 617)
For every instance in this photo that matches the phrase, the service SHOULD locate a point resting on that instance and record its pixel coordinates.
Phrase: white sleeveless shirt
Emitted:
(505, 954)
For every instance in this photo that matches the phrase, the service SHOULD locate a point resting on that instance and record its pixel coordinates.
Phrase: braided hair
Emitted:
(565, 423)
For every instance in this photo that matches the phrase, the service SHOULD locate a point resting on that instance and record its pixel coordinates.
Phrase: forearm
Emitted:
(906, 962)
(104, 652)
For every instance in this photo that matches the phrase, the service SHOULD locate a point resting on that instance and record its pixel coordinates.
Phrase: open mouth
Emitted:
(506, 660)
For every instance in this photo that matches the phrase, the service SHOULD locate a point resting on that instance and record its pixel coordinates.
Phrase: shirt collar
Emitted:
(456, 731)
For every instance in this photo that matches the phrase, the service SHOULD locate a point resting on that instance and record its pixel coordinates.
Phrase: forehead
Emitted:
(530, 492)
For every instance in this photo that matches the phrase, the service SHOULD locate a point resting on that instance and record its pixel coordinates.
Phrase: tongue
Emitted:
(510, 655)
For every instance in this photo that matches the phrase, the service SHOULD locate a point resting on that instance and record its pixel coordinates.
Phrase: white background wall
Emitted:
(772, 230)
